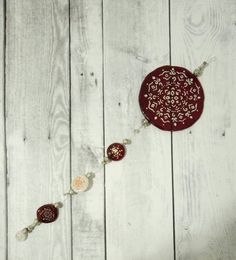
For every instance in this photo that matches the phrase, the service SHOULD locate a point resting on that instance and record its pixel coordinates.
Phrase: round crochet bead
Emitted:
(47, 213)
(80, 183)
(116, 151)
(171, 98)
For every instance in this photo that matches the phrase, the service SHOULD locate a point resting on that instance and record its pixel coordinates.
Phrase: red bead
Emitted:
(47, 213)
(171, 98)
(116, 151)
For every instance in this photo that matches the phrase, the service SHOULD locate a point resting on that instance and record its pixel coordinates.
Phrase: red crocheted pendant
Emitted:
(47, 213)
(171, 98)
(116, 151)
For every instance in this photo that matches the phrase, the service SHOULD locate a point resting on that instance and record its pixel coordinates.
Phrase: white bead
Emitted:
(127, 141)
(22, 235)
(58, 204)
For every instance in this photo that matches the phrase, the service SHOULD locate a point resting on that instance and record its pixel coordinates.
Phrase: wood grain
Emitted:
(3, 176)
(138, 189)
(87, 127)
(204, 156)
(127, 214)
(37, 99)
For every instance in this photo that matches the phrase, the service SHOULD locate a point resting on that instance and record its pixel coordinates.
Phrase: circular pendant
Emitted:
(171, 98)
(80, 183)
(47, 213)
(116, 151)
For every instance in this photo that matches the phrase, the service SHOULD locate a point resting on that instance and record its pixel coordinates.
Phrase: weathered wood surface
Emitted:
(37, 107)
(3, 176)
(138, 189)
(204, 156)
(73, 73)
(87, 127)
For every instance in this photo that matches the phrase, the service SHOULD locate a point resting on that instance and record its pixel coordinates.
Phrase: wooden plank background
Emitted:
(3, 175)
(37, 123)
(138, 190)
(87, 127)
(70, 74)
(204, 156)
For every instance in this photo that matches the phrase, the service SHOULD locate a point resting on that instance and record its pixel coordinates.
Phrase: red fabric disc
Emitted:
(47, 213)
(116, 151)
(171, 98)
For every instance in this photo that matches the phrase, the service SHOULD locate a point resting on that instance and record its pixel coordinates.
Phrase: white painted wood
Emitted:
(37, 98)
(87, 127)
(2, 142)
(138, 189)
(204, 156)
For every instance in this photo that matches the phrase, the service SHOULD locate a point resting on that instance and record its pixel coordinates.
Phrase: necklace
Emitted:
(171, 98)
